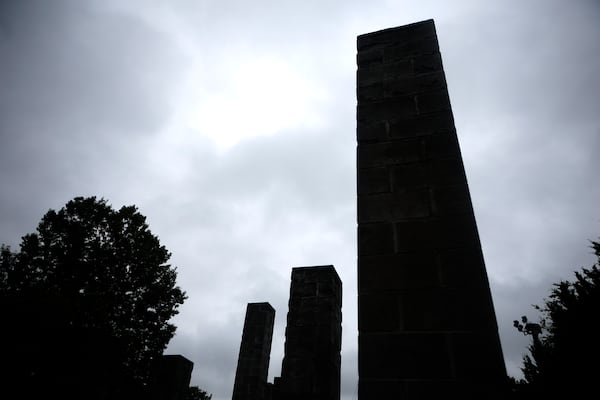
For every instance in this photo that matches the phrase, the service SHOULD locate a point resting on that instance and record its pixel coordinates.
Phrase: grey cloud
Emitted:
(81, 89)
(91, 71)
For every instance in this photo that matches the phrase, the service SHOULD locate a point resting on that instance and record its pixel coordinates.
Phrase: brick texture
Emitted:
(427, 327)
(313, 338)
(255, 352)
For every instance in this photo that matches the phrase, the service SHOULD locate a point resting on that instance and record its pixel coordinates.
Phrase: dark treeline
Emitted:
(85, 306)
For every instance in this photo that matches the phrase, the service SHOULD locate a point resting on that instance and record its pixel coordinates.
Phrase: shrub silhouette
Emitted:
(562, 359)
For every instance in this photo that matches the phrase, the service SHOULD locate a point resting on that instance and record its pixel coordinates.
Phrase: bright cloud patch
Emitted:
(258, 97)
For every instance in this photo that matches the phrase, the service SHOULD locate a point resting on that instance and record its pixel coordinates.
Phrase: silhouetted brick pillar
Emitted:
(313, 336)
(170, 378)
(427, 327)
(255, 351)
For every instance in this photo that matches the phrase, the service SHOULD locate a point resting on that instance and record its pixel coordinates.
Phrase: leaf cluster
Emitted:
(195, 393)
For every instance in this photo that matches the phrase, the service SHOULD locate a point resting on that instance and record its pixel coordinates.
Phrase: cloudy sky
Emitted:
(231, 125)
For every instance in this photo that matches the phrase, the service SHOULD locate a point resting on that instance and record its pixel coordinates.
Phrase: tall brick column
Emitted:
(313, 336)
(427, 327)
(255, 352)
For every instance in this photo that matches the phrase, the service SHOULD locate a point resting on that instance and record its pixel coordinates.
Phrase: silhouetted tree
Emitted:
(99, 277)
(195, 393)
(562, 359)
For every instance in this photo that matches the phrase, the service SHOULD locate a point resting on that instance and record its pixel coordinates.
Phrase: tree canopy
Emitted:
(93, 272)
(565, 348)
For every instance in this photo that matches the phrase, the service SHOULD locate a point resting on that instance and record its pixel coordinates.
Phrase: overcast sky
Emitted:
(231, 125)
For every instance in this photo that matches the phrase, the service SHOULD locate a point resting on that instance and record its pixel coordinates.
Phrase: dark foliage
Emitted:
(562, 359)
(88, 296)
(195, 393)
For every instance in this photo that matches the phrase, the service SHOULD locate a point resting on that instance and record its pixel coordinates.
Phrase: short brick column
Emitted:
(313, 336)
(255, 353)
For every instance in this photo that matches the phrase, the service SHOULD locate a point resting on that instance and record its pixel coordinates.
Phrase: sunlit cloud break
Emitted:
(259, 97)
